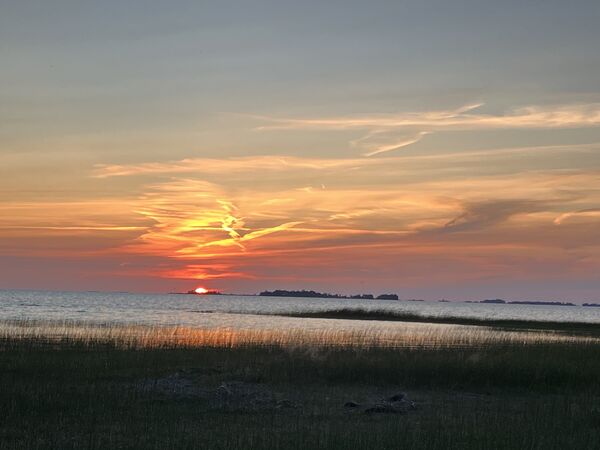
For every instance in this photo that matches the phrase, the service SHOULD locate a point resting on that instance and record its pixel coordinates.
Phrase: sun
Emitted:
(201, 290)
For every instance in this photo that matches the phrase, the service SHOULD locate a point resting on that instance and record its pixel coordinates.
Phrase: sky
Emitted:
(435, 149)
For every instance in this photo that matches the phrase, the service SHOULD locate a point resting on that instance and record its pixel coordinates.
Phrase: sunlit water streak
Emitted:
(185, 320)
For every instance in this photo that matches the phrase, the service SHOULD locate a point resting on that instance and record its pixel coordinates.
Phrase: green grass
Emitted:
(78, 393)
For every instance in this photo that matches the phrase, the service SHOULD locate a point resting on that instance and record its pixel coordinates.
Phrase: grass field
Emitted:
(572, 328)
(110, 387)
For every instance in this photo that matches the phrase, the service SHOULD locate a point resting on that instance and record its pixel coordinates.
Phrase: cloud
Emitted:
(393, 218)
(486, 214)
(189, 216)
(561, 116)
(244, 230)
(382, 148)
(290, 166)
(265, 163)
(405, 129)
(211, 271)
(591, 212)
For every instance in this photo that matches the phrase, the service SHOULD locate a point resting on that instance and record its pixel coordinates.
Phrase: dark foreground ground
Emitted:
(94, 396)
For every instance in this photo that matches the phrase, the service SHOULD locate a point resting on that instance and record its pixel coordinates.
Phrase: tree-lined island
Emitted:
(314, 294)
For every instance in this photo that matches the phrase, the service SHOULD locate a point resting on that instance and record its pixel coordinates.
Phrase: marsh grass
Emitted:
(570, 328)
(408, 335)
(77, 386)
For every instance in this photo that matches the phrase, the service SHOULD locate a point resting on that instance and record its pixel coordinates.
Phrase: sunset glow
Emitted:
(201, 290)
(373, 170)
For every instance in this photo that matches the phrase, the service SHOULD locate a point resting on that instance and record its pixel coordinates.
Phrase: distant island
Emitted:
(314, 294)
(529, 302)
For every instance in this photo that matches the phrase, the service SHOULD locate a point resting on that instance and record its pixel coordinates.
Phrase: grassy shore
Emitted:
(573, 328)
(99, 391)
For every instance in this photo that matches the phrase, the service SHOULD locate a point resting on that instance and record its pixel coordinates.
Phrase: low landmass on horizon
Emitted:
(314, 294)
(305, 293)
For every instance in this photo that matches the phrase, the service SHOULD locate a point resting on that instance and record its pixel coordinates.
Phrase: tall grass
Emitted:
(409, 335)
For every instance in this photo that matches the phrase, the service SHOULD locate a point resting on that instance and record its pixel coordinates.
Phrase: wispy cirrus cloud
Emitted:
(484, 214)
(189, 217)
(590, 212)
(562, 116)
(377, 148)
(265, 163)
(270, 165)
(389, 132)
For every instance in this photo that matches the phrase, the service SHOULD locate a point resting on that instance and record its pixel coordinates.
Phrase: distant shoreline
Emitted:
(579, 328)
(313, 294)
(283, 293)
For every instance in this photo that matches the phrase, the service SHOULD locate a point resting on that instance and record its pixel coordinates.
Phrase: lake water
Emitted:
(241, 311)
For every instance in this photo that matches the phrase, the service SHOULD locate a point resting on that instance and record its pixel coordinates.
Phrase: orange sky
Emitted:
(345, 224)
(346, 151)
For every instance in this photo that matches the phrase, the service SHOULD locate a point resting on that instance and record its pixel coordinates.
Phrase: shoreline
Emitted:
(591, 328)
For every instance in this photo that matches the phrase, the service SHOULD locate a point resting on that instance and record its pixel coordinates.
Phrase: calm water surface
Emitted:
(242, 311)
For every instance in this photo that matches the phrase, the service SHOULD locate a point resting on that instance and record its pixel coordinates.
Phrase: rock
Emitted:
(243, 396)
(403, 406)
(392, 407)
(383, 408)
(351, 405)
(224, 391)
(397, 397)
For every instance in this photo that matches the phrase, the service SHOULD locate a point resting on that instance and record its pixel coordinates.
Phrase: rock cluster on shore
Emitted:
(396, 404)
(246, 396)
